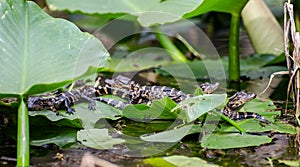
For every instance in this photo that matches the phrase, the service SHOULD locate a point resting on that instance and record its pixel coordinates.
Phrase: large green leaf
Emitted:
(88, 118)
(160, 109)
(228, 6)
(232, 140)
(171, 136)
(36, 49)
(199, 105)
(53, 134)
(97, 138)
(150, 12)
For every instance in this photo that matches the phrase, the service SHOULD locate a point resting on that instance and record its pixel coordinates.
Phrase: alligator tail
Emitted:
(248, 115)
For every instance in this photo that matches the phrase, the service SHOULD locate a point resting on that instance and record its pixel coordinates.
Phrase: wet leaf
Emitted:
(34, 44)
(183, 161)
(90, 117)
(255, 126)
(97, 138)
(266, 108)
(87, 117)
(174, 135)
(52, 134)
(52, 116)
(150, 12)
(290, 163)
(229, 6)
(233, 140)
(158, 162)
(199, 105)
(177, 160)
(160, 109)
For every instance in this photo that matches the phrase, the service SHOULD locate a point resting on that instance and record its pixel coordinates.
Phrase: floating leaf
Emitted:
(199, 105)
(291, 163)
(177, 160)
(255, 126)
(53, 134)
(90, 117)
(87, 117)
(174, 135)
(183, 161)
(265, 108)
(97, 138)
(160, 109)
(232, 140)
(158, 162)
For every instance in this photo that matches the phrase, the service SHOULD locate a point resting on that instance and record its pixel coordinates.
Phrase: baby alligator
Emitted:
(146, 94)
(91, 93)
(142, 94)
(69, 98)
(236, 102)
(136, 94)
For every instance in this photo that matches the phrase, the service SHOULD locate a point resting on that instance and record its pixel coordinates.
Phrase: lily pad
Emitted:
(233, 140)
(97, 138)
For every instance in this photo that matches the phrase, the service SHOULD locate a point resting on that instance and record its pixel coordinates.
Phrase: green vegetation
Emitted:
(32, 58)
(40, 54)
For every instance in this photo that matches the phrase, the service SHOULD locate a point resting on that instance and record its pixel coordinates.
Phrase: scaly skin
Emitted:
(136, 94)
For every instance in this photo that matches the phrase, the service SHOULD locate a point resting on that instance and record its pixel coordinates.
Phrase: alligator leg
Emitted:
(69, 109)
(92, 104)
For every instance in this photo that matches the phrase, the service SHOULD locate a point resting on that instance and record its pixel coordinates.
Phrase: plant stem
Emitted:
(165, 41)
(23, 135)
(234, 61)
(229, 121)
